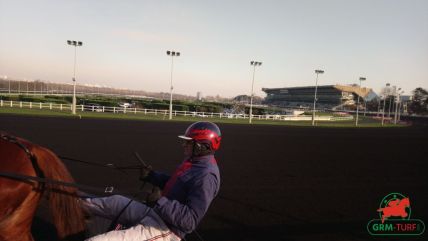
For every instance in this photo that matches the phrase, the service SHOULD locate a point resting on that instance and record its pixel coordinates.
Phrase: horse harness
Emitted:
(31, 156)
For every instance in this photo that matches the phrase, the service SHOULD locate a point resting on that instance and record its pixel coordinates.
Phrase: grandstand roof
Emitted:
(362, 92)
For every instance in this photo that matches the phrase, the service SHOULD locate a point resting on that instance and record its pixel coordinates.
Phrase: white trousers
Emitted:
(145, 224)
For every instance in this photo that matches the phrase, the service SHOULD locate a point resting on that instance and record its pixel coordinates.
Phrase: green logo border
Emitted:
(397, 234)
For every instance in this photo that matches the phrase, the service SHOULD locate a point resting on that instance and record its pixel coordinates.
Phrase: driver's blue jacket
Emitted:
(187, 194)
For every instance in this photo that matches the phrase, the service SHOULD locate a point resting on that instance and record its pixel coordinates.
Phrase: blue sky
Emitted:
(125, 43)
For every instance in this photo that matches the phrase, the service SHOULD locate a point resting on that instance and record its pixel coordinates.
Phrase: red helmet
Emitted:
(204, 132)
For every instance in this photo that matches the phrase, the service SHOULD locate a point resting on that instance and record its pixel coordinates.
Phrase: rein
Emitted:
(21, 177)
(40, 177)
(108, 165)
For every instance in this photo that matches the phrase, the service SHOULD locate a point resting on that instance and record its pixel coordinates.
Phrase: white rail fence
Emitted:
(131, 110)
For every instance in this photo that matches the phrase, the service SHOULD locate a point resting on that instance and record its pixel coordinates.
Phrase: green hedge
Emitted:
(159, 106)
(102, 102)
(46, 99)
(180, 107)
(30, 98)
(13, 98)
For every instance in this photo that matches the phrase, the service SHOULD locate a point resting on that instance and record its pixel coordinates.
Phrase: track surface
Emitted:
(278, 183)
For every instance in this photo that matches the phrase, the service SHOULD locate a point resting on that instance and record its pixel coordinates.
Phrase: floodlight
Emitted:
(75, 44)
(172, 54)
(254, 63)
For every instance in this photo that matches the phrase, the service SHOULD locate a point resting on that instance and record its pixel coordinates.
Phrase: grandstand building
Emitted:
(328, 96)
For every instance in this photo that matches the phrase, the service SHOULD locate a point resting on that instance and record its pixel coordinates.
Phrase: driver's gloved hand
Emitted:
(145, 172)
(153, 197)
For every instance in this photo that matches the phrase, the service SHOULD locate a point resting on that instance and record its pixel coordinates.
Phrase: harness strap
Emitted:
(30, 155)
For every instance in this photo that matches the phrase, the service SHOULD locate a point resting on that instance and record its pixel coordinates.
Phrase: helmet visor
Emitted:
(185, 138)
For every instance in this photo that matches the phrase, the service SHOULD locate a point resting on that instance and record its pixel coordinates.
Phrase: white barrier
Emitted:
(135, 111)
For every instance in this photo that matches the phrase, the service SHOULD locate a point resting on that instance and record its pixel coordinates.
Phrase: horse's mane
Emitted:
(69, 218)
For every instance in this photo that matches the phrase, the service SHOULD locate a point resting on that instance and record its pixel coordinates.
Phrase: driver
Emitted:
(177, 203)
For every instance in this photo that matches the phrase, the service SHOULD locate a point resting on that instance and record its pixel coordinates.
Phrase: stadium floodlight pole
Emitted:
(358, 101)
(172, 54)
(5, 78)
(394, 88)
(384, 101)
(253, 63)
(75, 44)
(399, 107)
(378, 107)
(317, 71)
(397, 97)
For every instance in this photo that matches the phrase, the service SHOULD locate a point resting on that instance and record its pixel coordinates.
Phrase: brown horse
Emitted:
(19, 198)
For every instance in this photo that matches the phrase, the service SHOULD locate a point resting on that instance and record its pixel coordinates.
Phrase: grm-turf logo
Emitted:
(394, 218)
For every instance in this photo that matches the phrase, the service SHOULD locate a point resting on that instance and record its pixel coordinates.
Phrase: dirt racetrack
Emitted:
(278, 182)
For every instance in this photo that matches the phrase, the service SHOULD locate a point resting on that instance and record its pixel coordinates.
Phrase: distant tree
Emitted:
(419, 104)
(372, 105)
(246, 99)
(242, 99)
